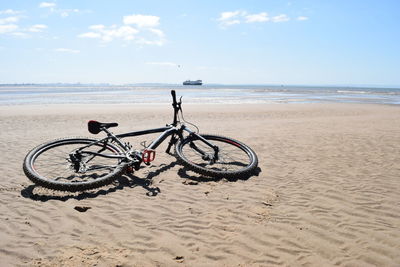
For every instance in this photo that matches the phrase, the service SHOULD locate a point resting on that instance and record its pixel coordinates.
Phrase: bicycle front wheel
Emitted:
(234, 159)
(55, 165)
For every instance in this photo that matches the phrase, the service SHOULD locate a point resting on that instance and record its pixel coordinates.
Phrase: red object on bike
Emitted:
(148, 155)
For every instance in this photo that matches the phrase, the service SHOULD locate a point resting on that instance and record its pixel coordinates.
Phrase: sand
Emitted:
(327, 194)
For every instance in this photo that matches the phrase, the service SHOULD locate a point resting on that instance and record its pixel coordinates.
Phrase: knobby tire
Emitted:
(232, 152)
(49, 182)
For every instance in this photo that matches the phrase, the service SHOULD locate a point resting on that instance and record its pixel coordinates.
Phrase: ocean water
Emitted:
(230, 94)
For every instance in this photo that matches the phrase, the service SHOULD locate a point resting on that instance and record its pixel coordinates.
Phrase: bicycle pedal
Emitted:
(148, 155)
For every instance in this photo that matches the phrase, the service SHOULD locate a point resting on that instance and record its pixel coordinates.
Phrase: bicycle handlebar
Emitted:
(173, 97)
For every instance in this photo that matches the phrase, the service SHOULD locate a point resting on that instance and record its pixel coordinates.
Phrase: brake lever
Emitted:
(180, 103)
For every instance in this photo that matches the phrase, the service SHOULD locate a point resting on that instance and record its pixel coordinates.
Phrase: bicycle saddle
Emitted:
(94, 127)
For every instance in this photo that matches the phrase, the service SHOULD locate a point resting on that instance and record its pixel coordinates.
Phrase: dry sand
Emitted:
(328, 192)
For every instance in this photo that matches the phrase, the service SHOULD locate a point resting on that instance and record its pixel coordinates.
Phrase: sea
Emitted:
(43, 94)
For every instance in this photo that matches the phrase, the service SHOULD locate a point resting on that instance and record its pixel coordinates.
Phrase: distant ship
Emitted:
(189, 82)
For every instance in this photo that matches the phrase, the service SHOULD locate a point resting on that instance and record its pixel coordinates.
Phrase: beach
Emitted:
(326, 193)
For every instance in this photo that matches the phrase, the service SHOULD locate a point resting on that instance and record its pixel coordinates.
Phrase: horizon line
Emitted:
(205, 85)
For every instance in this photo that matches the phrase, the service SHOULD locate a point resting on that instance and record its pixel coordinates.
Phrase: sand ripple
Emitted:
(327, 194)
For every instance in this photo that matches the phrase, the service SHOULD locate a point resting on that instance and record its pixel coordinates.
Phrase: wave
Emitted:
(352, 92)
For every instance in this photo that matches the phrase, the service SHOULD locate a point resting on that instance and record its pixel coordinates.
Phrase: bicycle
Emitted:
(78, 164)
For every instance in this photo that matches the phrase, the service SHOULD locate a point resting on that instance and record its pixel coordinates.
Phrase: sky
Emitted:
(305, 42)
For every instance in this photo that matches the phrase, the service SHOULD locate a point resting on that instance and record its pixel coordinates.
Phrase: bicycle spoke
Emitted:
(55, 164)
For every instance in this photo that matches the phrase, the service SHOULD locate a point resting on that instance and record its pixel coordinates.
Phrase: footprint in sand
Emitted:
(82, 208)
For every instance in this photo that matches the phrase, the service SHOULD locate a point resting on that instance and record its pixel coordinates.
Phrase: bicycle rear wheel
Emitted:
(51, 165)
(235, 159)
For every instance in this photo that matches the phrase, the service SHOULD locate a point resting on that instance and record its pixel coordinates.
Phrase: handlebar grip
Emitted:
(173, 96)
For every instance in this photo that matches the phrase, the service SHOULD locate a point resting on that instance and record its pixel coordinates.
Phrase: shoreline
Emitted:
(135, 107)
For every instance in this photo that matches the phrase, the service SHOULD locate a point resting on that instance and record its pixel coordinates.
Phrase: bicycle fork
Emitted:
(204, 155)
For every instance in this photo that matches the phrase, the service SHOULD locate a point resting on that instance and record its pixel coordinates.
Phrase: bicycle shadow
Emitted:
(125, 181)
(188, 174)
(119, 184)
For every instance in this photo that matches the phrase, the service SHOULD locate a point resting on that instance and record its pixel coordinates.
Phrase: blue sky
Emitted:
(231, 42)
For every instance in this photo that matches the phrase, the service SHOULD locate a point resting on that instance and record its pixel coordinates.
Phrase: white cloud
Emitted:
(108, 34)
(66, 12)
(158, 32)
(8, 28)
(230, 18)
(37, 28)
(167, 64)
(261, 17)
(280, 18)
(9, 25)
(62, 12)
(302, 18)
(13, 19)
(144, 33)
(67, 50)
(10, 12)
(142, 20)
(47, 4)
(229, 15)
(124, 32)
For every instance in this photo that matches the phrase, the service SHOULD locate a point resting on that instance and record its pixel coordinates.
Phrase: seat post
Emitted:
(113, 137)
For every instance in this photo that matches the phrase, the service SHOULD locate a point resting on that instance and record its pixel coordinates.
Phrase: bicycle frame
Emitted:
(166, 132)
